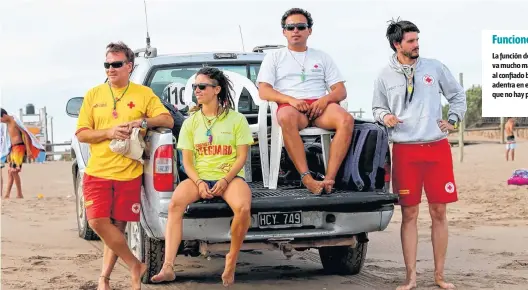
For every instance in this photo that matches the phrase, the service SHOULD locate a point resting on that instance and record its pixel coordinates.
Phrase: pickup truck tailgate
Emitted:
(298, 199)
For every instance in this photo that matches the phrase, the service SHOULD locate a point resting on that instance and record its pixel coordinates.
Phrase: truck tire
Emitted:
(84, 229)
(147, 250)
(343, 260)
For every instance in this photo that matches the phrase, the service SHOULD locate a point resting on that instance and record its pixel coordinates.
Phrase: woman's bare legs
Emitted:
(185, 194)
(238, 196)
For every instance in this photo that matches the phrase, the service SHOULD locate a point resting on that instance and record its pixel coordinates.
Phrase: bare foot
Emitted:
(328, 185)
(228, 277)
(443, 284)
(20, 196)
(314, 186)
(7, 196)
(136, 273)
(409, 284)
(104, 283)
(165, 275)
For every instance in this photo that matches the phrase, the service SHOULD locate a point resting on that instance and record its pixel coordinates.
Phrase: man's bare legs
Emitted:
(115, 240)
(291, 122)
(336, 118)
(409, 239)
(13, 177)
(109, 261)
(238, 196)
(185, 194)
(439, 237)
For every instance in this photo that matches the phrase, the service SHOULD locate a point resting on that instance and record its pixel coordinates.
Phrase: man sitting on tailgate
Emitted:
(297, 77)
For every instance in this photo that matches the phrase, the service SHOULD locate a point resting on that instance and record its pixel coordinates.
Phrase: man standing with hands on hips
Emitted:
(407, 99)
(112, 182)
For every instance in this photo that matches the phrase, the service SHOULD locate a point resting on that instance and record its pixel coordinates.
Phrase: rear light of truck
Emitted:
(163, 167)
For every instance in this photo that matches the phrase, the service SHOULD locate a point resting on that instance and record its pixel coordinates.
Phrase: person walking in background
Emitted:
(19, 149)
(407, 100)
(509, 131)
(3, 132)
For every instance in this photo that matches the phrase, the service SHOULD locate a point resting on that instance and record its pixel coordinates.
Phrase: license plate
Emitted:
(276, 220)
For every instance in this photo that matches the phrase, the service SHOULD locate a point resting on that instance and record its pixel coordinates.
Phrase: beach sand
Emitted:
(487, 246)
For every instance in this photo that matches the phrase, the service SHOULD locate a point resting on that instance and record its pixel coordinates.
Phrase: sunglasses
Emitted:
(299, 26)
(115, 64)
(202, 86)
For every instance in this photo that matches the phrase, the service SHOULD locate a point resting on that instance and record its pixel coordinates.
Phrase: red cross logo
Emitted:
(131, 105)
(135, 208)
(428, 80)
(450, 187)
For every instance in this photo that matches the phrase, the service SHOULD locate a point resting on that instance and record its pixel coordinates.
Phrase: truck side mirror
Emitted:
(74, 106)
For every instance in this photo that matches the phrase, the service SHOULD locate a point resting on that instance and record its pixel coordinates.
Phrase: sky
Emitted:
(54, 50)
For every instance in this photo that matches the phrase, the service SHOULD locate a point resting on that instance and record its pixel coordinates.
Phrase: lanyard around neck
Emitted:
(112, 92)
(409, 88)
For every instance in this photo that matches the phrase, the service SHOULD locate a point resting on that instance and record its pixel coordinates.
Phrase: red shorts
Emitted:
(428, 165)
(104, 198)
(308, 101)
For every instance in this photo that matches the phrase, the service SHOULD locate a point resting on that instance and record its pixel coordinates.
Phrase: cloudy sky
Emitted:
(54, 50)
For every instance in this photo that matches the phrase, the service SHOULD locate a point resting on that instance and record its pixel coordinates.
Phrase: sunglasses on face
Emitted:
(202, 86)
(115, 64)
(299, 26)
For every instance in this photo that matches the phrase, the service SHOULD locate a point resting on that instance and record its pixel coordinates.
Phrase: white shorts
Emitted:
(510, 145)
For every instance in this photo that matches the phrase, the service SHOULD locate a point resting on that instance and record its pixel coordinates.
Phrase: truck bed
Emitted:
(294, 198)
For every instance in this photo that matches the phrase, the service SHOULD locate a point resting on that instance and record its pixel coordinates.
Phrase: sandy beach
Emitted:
(487, 248)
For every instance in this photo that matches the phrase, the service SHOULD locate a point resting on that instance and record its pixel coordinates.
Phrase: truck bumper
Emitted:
(315, 224)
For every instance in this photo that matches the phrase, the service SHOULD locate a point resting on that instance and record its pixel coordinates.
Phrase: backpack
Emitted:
(288, 174)
(363, 168)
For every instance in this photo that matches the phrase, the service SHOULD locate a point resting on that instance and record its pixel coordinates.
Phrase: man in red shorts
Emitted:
(407, 100)
(112, 182)
(307, 85)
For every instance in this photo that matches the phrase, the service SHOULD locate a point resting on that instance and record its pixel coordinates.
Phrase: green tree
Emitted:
(474, 107)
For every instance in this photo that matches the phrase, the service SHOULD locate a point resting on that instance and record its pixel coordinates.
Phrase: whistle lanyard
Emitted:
(409, 88)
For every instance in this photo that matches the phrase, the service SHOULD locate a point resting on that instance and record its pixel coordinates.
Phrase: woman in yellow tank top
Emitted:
(214, 140)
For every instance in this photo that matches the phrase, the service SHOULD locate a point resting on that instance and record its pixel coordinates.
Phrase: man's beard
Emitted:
(411, 55)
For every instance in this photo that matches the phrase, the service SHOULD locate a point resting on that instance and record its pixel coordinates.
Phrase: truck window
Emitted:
(179, 75)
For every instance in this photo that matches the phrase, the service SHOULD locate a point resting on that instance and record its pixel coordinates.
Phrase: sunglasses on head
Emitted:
(299, 26)
(202, 86)
(115, 64)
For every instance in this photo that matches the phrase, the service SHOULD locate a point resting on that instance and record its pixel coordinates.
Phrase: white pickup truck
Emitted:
(337, 224)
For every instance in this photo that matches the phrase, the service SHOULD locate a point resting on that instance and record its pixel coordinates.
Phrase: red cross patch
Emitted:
(428, 80)
(131, 105)
(450, 187)
(135, 208)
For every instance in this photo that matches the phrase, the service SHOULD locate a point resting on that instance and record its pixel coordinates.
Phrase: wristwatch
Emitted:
(144, 124)
(453, 122)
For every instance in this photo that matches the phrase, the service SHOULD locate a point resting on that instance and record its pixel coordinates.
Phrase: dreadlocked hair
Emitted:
(225, 99)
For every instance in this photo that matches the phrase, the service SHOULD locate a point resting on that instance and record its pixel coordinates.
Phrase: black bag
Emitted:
(363, 168)
(288, 174)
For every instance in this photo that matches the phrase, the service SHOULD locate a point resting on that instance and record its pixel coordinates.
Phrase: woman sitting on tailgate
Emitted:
(214, 141)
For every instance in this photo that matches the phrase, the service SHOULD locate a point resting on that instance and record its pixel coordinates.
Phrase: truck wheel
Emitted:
(147, 250)
(343, 260)
(85, 231)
